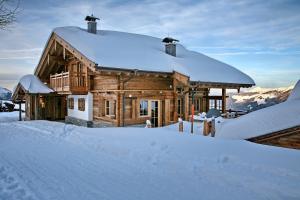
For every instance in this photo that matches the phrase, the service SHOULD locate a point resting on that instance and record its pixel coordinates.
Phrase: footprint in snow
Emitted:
(10, 187)
(223, 159)
(164, 147)
(153, 143)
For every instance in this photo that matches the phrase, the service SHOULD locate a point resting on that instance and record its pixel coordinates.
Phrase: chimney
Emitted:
(92, 24)
(170, 45)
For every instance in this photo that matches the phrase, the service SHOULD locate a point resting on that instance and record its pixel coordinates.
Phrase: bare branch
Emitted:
(8, 13)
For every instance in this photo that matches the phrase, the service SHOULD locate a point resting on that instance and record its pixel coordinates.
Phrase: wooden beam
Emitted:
(36, 107)
(223, 100)
(20, 111)
(64, 53)
(48, 59)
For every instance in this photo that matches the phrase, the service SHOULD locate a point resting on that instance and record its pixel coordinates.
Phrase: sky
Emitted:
(260, 38)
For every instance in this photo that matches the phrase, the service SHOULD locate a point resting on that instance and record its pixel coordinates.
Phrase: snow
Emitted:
(295, 94)
(274, 118)
(4, 90)
(147, 53)
(10, 116)
(258, 89)
(33, 85)
(50, 160)
(258, 97)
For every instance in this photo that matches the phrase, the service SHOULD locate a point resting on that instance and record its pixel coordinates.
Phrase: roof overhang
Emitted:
(201, 84)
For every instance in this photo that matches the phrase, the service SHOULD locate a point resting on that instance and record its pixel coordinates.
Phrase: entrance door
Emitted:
(154, 113)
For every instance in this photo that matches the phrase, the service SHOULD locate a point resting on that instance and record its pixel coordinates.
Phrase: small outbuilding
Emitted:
(41, 101)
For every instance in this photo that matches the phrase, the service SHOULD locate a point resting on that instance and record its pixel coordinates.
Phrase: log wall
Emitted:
(289, 138)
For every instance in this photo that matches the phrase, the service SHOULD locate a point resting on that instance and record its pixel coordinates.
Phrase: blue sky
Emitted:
(261, 38)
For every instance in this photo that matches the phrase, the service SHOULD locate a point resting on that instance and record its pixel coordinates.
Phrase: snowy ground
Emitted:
(10, 116)
(50, 160)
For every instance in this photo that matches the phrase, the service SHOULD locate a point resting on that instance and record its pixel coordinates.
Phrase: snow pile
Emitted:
(49, 160)
(274, 118)
(147, 53)
(31, 84)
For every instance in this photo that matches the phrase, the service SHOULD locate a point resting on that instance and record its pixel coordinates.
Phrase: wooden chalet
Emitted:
(108, 78)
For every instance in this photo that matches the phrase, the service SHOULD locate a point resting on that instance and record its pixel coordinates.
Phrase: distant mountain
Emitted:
(257, 98)
(5, 94)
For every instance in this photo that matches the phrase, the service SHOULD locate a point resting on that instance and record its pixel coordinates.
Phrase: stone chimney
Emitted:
(170, 45)
(91, 24)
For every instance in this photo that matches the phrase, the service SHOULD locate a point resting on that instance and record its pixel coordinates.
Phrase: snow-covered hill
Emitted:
(5, 94)
(257, 98)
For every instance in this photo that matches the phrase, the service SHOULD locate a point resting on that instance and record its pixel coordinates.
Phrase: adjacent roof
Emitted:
(268, 120)
(31, 84)
(132, 51)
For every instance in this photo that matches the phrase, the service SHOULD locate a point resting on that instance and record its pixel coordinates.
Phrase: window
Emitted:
(211, 103)
(81, 104)
(107, 107)
(219, 104)
(71, 103)
(198, 105)
(110, 108)
(143, 108)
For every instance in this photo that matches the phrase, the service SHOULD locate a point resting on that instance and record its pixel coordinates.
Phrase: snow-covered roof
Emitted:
(31, 84)
(133, 51)
(271, 119)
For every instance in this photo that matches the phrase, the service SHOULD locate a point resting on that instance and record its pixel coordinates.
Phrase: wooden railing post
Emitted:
(213, 127)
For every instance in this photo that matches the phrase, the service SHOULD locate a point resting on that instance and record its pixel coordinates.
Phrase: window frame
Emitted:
(81, 104)
(71, 103)
(109, 105)
(144, 111)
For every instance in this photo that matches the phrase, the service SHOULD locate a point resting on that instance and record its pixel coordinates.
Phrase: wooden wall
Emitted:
(289, 138)
(131, 90)
(45, 107)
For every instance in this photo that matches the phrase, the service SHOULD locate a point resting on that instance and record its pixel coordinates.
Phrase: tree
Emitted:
(8, 12)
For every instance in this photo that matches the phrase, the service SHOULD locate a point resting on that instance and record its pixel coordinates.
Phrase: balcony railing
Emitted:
(60, 82)
(65, 82)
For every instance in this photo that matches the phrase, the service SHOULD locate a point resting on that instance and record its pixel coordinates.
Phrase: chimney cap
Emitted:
(169, 40)
(91, 18)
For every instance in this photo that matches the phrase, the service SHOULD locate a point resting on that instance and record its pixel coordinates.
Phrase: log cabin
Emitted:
(103, 78)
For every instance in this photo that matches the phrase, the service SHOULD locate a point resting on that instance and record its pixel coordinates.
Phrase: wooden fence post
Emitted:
(206, 127)
(20, 111)
(213, 127)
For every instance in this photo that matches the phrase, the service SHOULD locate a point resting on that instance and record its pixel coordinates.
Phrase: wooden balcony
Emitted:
(60, 82)
(66, 82)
